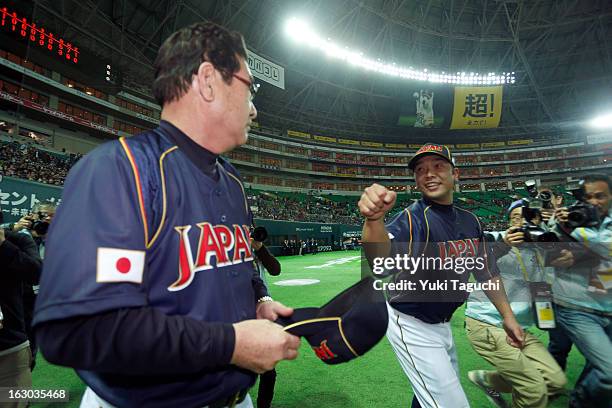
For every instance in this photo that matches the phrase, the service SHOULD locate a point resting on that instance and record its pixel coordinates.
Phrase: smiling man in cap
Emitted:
(419, 329)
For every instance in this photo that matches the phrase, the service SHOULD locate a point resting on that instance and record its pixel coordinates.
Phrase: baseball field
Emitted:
(374, 380)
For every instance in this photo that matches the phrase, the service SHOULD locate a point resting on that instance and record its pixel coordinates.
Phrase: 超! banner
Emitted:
(477, 107)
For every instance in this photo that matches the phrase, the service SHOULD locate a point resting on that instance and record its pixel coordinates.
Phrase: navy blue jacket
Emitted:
(428, 229)
(148, 264)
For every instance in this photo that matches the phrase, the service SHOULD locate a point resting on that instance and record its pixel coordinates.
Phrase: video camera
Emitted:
(581, 213)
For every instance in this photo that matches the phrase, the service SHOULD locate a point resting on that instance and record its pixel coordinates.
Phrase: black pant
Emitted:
(29, 298)
(265, 394)
(559, 346)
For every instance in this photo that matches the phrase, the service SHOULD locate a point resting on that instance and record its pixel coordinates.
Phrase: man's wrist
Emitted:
(508, 315)
(265, 299)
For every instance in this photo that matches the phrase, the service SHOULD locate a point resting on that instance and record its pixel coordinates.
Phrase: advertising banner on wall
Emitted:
(477, 107)
(266, 70)
(425, 105)
(17, 197)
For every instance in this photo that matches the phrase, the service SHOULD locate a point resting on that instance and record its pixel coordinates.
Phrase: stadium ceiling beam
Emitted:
(257, 37)
(517, 117)
(449, 38)
(194, 10)
(122, 35)
(578, 42)
(171, 12)
(93, 36)
(149, 12)
(219, 12)
(513, 24)
(113, 25)
(133, 13)
(546, 34)
(93, 13)
(231, 18)
(565, 23)
(333, 105)
(385, 27)
(572, 83)
(601, 34)
(492, 21)
(295, 96)
(421, 29)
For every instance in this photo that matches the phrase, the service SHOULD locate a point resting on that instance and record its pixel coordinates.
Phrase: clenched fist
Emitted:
(376, 201)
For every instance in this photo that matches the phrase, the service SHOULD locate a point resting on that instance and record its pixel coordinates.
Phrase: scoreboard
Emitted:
(11, 21)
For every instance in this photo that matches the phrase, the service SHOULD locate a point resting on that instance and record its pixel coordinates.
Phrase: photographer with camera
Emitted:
(583, 302)
(36, 224)
(559, 345)
(264, 261)
(545, 200)
(21, 266)
(529, 373)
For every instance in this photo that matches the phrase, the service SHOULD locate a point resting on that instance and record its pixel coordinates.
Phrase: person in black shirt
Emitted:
(21, 266)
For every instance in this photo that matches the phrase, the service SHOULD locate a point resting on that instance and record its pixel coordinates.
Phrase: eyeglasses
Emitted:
(253, 87)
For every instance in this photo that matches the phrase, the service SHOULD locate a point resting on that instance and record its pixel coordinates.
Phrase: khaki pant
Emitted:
(531, 374)
(15, 373)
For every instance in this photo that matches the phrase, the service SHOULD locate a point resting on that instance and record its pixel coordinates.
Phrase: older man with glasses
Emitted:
(149, 289)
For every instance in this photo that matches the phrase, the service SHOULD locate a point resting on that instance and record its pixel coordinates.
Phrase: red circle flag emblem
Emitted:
(123, 265)
(119, 265)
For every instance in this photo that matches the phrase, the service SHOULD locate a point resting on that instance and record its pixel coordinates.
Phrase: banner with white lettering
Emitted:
(600, 138)
(17, 197)
(266, 70)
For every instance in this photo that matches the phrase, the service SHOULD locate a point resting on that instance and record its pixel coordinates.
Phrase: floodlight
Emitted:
(602, 122)
(301, 32)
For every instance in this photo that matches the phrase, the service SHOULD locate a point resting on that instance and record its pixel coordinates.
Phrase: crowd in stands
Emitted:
(311, 209)
(319, 208)
(25, 161)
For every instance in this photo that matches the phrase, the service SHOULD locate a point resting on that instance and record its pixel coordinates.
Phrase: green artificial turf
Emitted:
(374, 380)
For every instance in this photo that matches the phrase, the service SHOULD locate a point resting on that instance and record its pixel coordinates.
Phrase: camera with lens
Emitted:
(39, 225)
(532, 232)
(259, 234)
(581, 213)
(545, 196)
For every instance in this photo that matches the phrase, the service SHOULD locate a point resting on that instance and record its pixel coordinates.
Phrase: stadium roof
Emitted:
(561, 52)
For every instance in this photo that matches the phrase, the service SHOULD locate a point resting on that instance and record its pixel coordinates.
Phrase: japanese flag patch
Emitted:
(119, 265)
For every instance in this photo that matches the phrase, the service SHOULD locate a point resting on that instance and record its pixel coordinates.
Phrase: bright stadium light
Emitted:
(302, 33)
(602, 122)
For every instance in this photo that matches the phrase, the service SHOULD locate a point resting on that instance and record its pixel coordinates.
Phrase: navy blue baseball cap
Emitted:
(515, 204)
(344, 328)
(431, 148)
